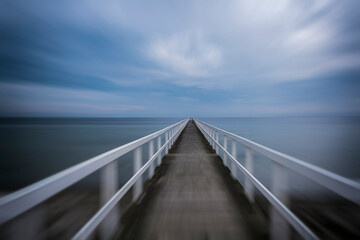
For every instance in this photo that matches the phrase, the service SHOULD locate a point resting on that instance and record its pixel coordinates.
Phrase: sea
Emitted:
(34, 148)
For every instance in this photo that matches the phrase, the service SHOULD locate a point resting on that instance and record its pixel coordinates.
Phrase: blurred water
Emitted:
(330, 143)
(31, 149)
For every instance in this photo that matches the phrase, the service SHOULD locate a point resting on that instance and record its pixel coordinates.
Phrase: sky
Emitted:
(189, 58)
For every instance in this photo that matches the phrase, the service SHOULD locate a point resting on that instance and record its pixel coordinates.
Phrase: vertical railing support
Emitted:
(173, 139)
(209, 132)
(225, 147)
(210, 135)
(137, 165)
(233, 153)
(166, 139)
(213, 136)
(151, 153)
(159, 146)
(249, 165)
(108, 187)
(170, 135)
(280, 228)
(217, 141)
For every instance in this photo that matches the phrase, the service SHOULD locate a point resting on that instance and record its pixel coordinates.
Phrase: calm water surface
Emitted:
(330, 143)
(31, 149)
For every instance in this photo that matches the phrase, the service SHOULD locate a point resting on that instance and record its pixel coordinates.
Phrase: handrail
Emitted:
(90, 226)
(302, 229)
(344, 187)
(24, 199)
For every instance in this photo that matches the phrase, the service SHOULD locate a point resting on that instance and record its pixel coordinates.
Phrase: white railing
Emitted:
(280, 216)
(20, 201)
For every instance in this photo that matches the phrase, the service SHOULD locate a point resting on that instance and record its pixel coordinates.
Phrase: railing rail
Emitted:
(24, 199)
(342, 186)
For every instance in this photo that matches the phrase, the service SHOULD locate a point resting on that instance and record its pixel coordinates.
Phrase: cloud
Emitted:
(260, 41)
(198, 43)
(186, 54)
(159, 54)
(35, 100)
(316, 67)
(265, 40)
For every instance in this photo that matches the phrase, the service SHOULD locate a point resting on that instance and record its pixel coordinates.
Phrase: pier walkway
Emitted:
(192, 196)
(185, 184)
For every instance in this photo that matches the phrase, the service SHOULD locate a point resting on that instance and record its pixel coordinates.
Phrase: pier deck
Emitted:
(192, 196)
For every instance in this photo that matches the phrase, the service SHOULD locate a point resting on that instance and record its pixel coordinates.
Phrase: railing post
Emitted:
(249, 165)
(209, 140)
(225, 147)
(233, 153)
(159, 146)
(137, 165)
(151, 153)
(209, 133)
(280, 228)
(172, 135)
(217, 141)
(108, 187)
(212, 137)
(166, 139)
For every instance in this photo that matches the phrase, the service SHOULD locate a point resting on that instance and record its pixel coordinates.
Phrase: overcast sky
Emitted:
(179, 58)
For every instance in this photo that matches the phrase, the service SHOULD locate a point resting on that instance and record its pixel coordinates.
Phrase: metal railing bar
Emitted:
(302, 229)
(90, 226)
(345, 187)
(22, 200)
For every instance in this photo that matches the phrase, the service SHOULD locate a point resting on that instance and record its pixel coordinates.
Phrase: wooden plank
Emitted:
(192, 196)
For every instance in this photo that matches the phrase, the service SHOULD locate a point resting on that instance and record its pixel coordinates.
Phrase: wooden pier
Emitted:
(188, 193)
(192, 196)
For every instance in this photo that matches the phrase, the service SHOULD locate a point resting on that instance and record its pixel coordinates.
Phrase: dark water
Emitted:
(330, 143)
(31, 149)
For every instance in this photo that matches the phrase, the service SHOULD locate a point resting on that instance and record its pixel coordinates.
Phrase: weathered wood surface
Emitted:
(192, 196)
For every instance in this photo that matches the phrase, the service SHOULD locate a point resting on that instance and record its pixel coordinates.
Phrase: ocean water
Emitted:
(32, 149)
(332, 143)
